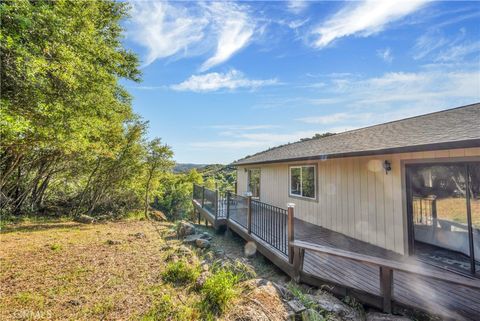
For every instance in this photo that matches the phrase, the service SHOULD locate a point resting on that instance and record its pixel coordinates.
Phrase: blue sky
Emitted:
(222, 80)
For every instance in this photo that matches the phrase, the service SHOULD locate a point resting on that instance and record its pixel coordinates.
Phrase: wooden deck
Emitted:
(361, 280)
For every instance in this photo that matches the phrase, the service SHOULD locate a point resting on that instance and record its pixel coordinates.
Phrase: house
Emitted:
(411, 186)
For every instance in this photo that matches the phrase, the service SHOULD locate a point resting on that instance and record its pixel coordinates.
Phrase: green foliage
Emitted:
(70, 140)
(180, 273)
(219, 177)
(166, 309)
(55, 247)
(173, 196)
(298, 293)
(218, 290)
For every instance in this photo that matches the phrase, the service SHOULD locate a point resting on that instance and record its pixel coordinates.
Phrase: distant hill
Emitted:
(185, 167)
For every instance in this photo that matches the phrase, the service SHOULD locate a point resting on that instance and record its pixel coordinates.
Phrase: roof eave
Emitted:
(404, 149)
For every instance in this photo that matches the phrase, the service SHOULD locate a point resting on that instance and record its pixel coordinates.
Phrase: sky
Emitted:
(223, 80)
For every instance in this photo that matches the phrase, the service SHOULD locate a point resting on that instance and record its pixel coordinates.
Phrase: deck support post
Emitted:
(386, 288)
(228, 208)
(291, 231)
(216, 205)
(298, 258)
(249, 212)
(203, 196)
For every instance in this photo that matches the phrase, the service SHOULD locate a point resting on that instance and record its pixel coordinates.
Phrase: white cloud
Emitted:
(254, 140)
(242, 127)
(385, 54)
(459, 52)
(327, 119)
(215, 81)
(166, 30)
(297, 6)
(427, 43)
(364, 19)
(179, 29)
(235, 31)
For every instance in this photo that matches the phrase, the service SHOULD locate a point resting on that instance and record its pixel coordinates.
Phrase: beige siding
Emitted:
(355, 196)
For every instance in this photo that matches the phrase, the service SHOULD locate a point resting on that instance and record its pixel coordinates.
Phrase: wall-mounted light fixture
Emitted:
(387, 166)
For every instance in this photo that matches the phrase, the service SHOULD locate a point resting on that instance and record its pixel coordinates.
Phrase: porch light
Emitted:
(387, 166)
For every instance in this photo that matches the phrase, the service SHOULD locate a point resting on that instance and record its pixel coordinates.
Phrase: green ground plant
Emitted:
(218, 291)
(180, 273)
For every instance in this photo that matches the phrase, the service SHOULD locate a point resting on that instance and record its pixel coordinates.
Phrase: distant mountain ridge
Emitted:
(185, 167)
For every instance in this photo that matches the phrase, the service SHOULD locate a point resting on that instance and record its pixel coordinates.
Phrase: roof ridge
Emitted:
(336, 136)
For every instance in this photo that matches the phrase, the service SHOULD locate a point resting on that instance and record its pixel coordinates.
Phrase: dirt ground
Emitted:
(108, 271)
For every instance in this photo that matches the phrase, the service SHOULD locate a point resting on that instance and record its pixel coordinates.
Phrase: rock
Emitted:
(103, 217)
(202, 244)
(206, 236)
(311, 315)
(183, 250)
(85, 219)
(202, 279)
(377, 316)
(140, 235)
(330, 303)
(296, 306)
(157, 215)
(219, 252)
(184, 229)
(74, 302)
(191, 239)
(113, 242)
(283, 291)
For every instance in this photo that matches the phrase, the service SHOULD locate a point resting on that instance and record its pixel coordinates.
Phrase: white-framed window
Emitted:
(303, 181)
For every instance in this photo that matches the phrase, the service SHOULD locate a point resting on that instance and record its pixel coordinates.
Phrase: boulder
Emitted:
(311, 315)
(377, 316)
(283, 291)
(296, 306)
(85, 219)
(202, 244)
(191, 239)
(260, 302)
(157, 215)
(185, 229)
(140, 235)
(114, 242)
(329, 303)
(202, 278)
(206, 236)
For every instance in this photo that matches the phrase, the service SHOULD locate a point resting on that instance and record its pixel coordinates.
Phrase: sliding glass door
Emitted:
(444, 212)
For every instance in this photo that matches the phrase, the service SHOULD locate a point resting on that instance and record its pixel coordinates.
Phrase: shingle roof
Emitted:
(453, 128)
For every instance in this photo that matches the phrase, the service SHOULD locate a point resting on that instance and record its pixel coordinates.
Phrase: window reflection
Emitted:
(439, 207)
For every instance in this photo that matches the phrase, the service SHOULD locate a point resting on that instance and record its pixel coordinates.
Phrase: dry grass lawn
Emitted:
(71, 271)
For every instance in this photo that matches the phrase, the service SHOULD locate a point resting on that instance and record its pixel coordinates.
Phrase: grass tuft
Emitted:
(298, 293)
(166, 309)
(180, 273)
(218, 291)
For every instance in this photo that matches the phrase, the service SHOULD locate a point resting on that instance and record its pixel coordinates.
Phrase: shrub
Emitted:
(217, 291)
(55, 247)
(180, 273)
(166, 309)
(302, 297)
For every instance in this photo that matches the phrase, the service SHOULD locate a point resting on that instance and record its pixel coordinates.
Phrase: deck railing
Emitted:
(238, 209)
(386, 269)
(270, 224)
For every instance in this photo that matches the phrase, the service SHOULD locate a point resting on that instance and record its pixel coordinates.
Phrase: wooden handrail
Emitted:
(385, 263)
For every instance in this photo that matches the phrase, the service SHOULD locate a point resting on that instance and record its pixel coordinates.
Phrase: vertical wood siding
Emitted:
(354, 195)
